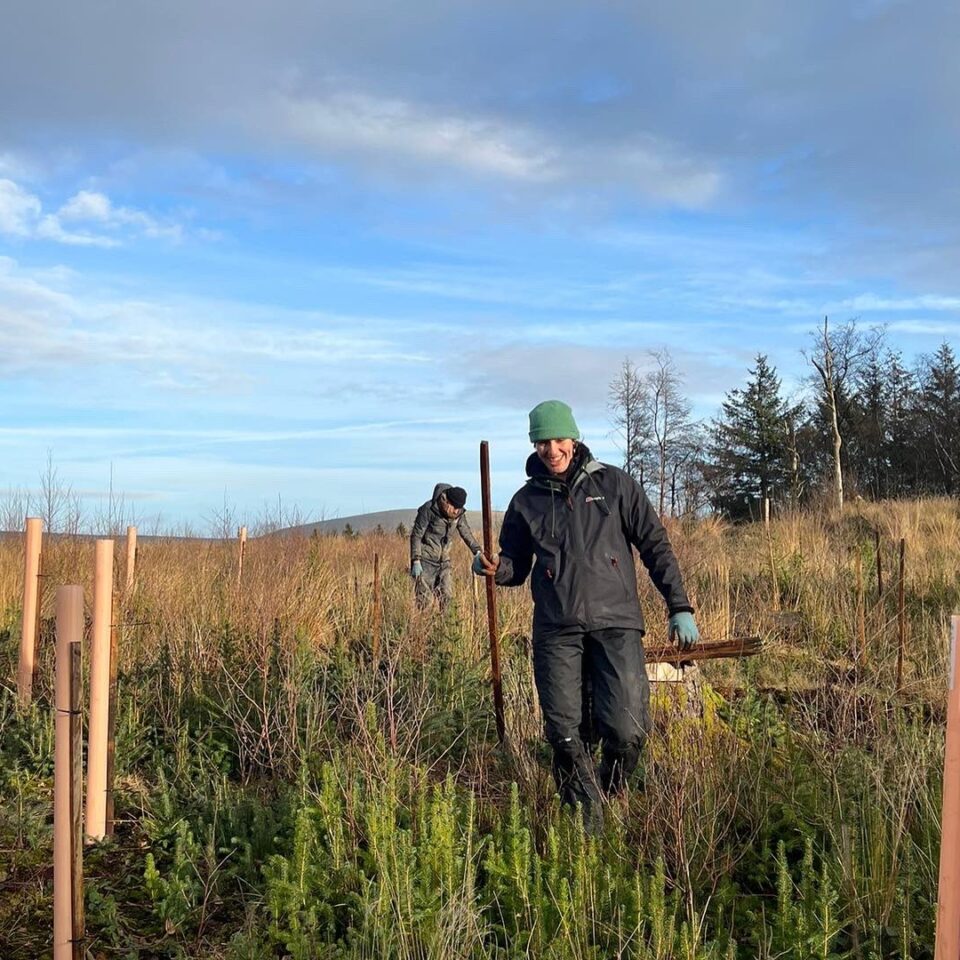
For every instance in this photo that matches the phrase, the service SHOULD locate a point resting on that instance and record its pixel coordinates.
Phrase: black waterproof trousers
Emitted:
(592, 688)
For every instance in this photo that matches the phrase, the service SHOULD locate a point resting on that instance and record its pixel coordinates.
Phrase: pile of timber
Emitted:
(735, 647)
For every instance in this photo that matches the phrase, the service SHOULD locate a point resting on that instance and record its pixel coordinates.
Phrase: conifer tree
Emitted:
(750, 456)
(940, 415)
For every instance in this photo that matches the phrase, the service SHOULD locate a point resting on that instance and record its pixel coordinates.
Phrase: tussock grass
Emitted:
(282, 794)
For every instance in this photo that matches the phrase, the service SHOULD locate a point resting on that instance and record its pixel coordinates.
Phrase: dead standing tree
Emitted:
(825, 365)
(836, 357)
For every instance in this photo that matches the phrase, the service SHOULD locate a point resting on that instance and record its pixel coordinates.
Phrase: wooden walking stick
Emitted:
(491, 589)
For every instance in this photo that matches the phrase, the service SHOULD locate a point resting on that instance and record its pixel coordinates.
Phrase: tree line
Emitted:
(867, 424)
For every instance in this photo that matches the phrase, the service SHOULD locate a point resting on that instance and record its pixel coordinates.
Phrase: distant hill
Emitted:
(387, 520)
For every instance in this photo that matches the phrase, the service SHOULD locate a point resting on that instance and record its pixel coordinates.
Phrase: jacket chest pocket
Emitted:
(619, 571)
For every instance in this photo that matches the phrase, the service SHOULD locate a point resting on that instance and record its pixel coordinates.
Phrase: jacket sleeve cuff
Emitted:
(504, 575)
(680, 608)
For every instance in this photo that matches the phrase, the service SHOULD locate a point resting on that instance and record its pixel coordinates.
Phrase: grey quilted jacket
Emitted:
(432, 531)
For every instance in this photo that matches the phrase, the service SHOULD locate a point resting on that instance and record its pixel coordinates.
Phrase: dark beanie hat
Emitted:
(456, 496)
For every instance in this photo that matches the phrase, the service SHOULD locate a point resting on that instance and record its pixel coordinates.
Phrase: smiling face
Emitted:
(555, 455)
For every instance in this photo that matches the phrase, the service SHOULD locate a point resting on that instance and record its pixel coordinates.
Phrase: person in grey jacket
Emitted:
(572, 528)
(437, 520)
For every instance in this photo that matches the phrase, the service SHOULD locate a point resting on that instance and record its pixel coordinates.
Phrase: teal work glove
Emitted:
(416, 569)
(483, 567)
(683, 630)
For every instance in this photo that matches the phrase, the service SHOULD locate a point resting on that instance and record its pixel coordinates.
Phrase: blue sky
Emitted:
(318, 251)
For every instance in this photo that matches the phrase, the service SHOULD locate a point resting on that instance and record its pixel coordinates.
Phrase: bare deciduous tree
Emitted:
(624, 403)
(665, 413)
(60, 508)
(15, 507)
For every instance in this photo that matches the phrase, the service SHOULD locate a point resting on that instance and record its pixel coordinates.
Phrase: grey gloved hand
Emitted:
(683, 630)
(416, 569)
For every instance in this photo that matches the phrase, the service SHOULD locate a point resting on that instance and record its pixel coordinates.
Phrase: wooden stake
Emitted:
(100, 670)
(860, 654)
(67, 787)
(76, 797)
(474, 613)
(901, 617)
(491, 591)
(112, 720)
(377, 617)
(876, 546)
(766, 511)
(774, 582)
(948, 901)
(131, 557)
(30, 627)
(242, 534)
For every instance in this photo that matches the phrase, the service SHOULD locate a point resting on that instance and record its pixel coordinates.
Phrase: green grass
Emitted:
(280, 795)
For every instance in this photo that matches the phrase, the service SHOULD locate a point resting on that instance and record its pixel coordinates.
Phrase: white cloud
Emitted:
(385, 131)
(88, 206)
(188, 344)
(353, 122)
(86, 219)
(19, 210)
(870, 301)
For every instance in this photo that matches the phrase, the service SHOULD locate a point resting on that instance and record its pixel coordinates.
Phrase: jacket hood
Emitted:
(438, 489)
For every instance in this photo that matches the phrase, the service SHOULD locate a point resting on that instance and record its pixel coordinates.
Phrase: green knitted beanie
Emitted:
(553, 420)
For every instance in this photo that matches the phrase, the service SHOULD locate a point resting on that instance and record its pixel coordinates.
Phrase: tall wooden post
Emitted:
(131, 557)
(901, 616)
(766, 511)
(30, 626)
(377, 617)
(948, 901)
(112, 720)
(242, 535)
(876, 548)
(98, 733)
(774, 581)
(860, 654)
(67, 781)
(491, 591)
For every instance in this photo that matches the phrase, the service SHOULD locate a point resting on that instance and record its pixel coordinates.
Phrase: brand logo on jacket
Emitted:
(591, 499)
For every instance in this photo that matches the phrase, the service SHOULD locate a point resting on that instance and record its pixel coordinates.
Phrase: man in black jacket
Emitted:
(437, 520)
(571, 527)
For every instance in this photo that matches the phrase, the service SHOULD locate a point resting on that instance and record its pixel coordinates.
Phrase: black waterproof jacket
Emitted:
(430, 536)
(576, 535)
